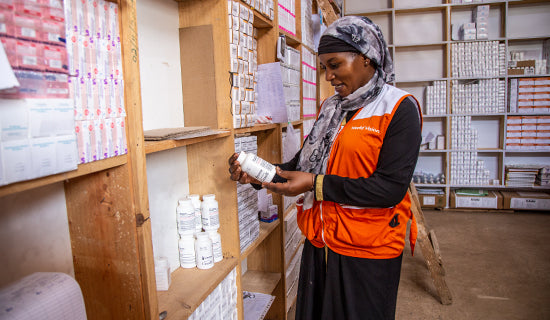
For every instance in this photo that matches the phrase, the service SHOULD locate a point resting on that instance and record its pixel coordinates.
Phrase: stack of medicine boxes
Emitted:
(243, 63)
(221, 303)
(290, 73)
(247, 198)
(465, 167)
(436, 98)
(287, 16)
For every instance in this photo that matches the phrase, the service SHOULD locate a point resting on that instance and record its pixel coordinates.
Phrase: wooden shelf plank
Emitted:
(261, 21)
(83, 169)
(189, 288)
(259, 281)
(156, 146)
(291, 40)
(265, 230)
(258, 127)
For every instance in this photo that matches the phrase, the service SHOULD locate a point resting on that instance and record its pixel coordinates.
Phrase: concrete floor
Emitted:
(497, 267)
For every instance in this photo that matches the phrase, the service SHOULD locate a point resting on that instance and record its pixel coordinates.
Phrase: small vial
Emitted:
(216, 245)
(210, 213)
(256, 167)
(187, 251)
(198, 215)
(203, 251)
(186, 217)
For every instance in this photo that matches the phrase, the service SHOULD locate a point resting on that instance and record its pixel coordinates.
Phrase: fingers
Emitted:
(233, 158)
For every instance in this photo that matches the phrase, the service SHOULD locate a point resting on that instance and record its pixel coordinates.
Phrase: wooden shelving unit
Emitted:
(420, 37)
(108, 201)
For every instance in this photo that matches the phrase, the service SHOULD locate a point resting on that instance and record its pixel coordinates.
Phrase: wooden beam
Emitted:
(137, 178)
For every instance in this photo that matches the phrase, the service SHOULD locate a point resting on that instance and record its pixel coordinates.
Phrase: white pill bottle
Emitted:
(187, 251)
(186, 217)
(256, 166)
(216, 245)
(198, 215)
(203, 251)
(210, 213)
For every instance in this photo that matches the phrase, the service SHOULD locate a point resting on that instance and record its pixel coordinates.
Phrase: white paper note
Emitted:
(8, 79)
(271, 100)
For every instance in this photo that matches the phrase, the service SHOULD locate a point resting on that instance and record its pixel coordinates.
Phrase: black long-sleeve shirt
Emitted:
(388, 184)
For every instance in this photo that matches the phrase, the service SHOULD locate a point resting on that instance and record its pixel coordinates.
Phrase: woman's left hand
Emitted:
(297, 182)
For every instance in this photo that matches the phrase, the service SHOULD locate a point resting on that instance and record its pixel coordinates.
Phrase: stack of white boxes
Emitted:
(436, 98)
(480, 17)
(293, 252)
(528, 133)
(478, 59)
(247, 198)
(309, 83)
(465, 167)
(482, 96)
(221, 303)
(244, 58)
(96, 83)
(307, 126)
(530, 95)
(287, 16)
(265, 7)
(307, 23)
(290, 73)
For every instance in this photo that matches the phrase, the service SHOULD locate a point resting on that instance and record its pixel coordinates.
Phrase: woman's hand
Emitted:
(237, 174)
(297, 182)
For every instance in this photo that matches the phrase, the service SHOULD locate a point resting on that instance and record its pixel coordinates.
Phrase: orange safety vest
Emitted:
(359, 231)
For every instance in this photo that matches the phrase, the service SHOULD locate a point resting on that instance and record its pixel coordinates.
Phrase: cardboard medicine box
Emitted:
(432, 200)
(493, 200)
(526, 200)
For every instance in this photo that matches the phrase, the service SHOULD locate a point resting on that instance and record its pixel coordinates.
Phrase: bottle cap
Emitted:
(207, 197)
(241, 157)
(193, 196)
(184, 202)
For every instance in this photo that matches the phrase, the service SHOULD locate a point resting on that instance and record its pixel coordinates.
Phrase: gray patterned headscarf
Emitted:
(365, 37)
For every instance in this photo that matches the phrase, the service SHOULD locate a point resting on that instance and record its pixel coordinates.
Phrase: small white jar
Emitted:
(256, 167)
(187, 251)
(210, 213)
(195, 199)
(216, 245)
(186, 217)
(203, 251)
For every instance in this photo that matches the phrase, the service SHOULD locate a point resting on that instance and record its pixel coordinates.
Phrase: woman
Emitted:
(354, 169)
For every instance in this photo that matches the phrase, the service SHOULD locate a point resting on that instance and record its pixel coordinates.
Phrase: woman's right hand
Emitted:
(236, 172)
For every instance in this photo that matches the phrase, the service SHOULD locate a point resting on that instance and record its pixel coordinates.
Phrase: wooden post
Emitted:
(436, 269)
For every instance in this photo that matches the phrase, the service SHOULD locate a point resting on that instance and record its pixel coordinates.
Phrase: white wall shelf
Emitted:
(421, 34)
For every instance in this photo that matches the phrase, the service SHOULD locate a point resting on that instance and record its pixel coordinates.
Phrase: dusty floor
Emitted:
(497, 267)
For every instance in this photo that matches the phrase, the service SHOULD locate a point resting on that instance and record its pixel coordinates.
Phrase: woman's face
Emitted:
(346, 71)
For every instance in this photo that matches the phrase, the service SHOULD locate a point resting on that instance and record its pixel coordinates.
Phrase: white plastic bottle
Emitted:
(216, 245)
(203, 251)
(187, 251)
(210, 213)
(198, 215)
(256, 166)
(186, 217)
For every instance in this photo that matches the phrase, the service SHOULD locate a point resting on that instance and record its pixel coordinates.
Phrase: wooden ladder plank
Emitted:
(328, 11)
(434, 266)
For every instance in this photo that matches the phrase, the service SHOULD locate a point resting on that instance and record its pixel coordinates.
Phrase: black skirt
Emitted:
(342, 287)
